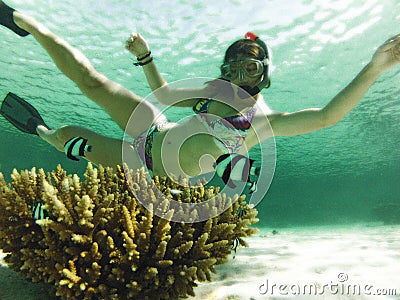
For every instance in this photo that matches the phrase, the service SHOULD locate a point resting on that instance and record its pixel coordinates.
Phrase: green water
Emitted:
(337, 175)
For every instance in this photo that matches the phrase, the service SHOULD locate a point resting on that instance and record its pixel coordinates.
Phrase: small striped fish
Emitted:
(38, 212)
(235, 245)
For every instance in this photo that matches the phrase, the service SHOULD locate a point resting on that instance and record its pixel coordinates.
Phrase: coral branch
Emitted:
(94, 240)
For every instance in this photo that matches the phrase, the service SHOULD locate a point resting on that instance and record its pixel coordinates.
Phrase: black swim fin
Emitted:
(21, 114)
(7, 19)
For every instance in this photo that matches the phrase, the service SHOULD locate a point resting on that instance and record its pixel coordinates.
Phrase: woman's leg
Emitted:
(104, 150)
(116, 100)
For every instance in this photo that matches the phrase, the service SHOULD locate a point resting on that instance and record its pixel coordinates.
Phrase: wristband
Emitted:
(139, 63)
(144, 57)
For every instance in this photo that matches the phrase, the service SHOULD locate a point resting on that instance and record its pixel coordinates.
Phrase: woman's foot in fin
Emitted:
(7, 19)
(50, 136)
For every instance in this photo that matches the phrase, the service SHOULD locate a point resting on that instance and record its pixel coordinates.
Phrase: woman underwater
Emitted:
(233, 105)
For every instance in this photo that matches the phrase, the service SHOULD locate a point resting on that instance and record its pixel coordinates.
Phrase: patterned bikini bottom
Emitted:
(143, 144)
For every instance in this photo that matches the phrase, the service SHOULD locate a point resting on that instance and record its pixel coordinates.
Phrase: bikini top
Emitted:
(231, 131)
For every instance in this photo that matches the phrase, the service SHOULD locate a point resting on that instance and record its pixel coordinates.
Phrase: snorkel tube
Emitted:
(266, 82)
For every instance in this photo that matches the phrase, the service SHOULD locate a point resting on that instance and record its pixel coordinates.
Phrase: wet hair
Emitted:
(245, 47)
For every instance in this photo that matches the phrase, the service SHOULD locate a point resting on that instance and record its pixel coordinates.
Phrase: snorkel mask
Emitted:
(250, 67)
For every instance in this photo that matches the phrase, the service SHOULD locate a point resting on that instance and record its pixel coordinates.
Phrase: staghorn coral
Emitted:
(99, 242)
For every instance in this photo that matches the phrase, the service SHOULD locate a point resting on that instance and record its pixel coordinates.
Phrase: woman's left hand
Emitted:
(387, 55)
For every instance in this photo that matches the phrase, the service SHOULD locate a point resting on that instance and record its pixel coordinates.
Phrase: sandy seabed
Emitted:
(356, 262)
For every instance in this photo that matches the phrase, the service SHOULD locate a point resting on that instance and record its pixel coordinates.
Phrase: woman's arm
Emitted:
(308, 120)
(183, 97)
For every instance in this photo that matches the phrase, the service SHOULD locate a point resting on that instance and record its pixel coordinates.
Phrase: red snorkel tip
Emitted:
(251, 35)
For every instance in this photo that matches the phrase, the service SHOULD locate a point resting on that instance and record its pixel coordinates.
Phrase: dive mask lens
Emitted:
(248, 67)
(252, 67)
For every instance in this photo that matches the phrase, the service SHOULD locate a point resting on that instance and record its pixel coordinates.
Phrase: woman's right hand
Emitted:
(137, 45)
